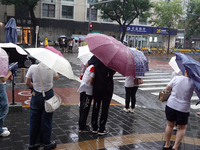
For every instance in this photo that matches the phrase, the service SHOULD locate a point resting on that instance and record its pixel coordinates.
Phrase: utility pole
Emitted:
(90, 9)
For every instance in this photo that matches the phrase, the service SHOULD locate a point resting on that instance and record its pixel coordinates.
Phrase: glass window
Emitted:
(107, 20)
(67, 12)
(142, 21)
(68, 0)
(93, 16)
(92, 1)
(155, 39)
(48, 10)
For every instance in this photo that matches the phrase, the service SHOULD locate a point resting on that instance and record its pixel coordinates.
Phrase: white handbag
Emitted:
(53, 103)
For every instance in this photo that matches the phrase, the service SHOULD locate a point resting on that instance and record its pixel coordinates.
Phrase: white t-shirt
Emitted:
(85, 84)
(129, 82)
(182, 91)
(47, 77)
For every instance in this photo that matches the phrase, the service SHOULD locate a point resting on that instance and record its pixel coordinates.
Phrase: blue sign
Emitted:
(149, 30)
(138, 29)
(162, 31)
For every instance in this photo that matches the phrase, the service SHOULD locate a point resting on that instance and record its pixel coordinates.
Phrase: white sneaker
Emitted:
(5, 128)
(131, 110)
(5, 133)
(126, 110)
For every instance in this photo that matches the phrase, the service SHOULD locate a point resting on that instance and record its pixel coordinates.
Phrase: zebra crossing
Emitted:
(154, 81)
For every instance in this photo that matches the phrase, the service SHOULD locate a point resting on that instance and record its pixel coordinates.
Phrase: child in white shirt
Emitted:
(86, 92)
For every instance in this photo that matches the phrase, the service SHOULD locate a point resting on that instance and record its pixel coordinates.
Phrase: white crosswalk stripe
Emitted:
(154, 82)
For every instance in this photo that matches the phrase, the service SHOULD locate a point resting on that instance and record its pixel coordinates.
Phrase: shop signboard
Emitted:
(163, 31)
(138, 29)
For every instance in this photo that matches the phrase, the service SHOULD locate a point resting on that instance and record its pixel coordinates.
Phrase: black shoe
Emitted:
(33, 147)
(94, 131)
(86, 129)
(103, 132)
(50, 146)
(167, 148)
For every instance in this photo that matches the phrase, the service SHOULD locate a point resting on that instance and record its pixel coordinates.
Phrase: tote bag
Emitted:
(164, 95)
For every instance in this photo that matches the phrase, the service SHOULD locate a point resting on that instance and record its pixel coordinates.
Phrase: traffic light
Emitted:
(91, 25)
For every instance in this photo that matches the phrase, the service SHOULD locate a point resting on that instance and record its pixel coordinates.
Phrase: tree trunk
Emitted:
(123, 35)
(31, 9)
(168, 42)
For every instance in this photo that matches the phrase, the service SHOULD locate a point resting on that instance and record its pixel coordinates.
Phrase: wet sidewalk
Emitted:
(141, 130)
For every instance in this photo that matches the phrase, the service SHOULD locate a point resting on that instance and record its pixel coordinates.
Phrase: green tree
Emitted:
(193, 19)
(166, 14)
(26, 3)
(124, 13)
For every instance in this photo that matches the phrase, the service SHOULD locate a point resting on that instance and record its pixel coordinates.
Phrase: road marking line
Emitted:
(147, 80)
(116, 141)
(152, 88)
(148, 84)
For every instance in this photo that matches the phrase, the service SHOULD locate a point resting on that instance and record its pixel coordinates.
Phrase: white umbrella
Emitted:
(63, 36)
(52, 60)
(174, 65)
(84, 54)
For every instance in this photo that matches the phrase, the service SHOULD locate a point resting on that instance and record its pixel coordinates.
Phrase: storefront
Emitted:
(24, 31)
(148, 37)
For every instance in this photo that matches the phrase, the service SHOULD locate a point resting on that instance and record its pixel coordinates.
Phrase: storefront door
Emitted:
(137, 41)
(24, 35)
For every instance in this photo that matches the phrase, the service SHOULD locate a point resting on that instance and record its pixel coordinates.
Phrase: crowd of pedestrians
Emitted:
(96, 87)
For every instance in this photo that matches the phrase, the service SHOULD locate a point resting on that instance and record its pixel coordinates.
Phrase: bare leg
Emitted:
(179, 135)
(168, 133)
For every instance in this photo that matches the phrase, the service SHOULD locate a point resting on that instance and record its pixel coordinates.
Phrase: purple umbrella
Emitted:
(11, 31)
(141, 62)
(192, 66)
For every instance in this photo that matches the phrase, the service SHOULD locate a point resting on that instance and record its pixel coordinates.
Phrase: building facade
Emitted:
(71, 17)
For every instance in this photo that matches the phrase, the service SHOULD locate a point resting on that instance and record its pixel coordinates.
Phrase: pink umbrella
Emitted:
(112, 53)
(3, 62)
(54, 50)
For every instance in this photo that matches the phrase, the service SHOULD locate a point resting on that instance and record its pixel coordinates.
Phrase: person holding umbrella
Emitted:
(102, 93)
(178, 108)
(40, 121)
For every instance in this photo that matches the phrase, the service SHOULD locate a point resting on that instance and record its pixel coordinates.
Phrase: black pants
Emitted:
(130, 95)
(85, 103)
(104, 103)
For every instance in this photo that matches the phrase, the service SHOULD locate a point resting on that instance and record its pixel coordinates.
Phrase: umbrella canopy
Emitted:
(192, 66)
(174, 65)
(84, 54)
(11, 45)
(11, 31)
(141, 62)
(112, 53)
(52, 60)
(54, 50)
(81, 37)
(76, 38)
(63, 36)
(3, 62)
